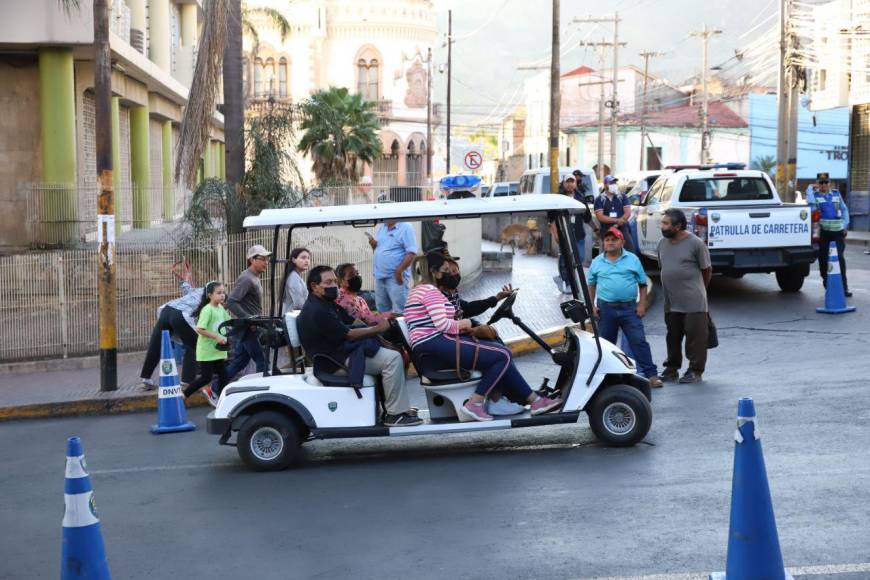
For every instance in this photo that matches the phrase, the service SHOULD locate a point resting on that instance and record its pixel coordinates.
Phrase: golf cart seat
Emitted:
(315, 376)
(445, 391)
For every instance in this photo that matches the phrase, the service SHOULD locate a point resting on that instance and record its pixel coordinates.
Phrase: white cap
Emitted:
(257, 250)
(365, 180)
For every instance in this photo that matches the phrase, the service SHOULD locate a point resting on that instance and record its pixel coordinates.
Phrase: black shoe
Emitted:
(690, 376)
(848, 294)
(670, 376)
(402, 420)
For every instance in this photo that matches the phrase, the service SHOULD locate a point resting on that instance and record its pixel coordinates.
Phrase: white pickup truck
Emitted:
(740, 216)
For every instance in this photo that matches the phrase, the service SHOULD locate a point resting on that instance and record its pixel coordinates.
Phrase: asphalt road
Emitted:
(536, 503)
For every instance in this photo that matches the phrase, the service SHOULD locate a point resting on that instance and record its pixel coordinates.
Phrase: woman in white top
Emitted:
(295, 291)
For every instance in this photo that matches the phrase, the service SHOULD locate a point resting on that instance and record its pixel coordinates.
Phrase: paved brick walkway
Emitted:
(538, 300)
(537, 305)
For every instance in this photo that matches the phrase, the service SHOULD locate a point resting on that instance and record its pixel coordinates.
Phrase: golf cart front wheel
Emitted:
(269, 441)
(620, 416)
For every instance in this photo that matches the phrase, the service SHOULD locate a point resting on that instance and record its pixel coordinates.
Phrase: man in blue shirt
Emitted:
(615, 277)
(834, 224)
(395, 246)
(612, 209)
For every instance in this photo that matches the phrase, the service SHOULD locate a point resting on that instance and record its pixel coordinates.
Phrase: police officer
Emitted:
(834, 224)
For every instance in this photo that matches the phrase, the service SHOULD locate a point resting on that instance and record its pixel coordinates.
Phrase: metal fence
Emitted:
(49, 307)
(63, 214)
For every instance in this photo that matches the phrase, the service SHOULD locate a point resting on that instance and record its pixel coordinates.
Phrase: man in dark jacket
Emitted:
(569, 187)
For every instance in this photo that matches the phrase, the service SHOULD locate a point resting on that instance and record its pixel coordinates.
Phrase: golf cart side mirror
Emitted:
(574, 310)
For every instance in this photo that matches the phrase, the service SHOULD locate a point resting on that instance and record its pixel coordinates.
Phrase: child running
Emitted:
(209, 315)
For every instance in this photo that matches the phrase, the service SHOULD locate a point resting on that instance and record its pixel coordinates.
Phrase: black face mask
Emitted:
(450, 281)
(330, 294)
(355, 284)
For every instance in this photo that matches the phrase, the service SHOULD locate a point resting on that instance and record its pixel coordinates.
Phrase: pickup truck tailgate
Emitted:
(759, 227)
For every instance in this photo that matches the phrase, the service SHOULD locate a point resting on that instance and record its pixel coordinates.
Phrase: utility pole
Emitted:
(782, 104)
(614, 108)
(646, 55)
(449, 77)
(107, 294)
(555, 101)
(705, 35)
(613, 103)
(794, 96)
(429, 116)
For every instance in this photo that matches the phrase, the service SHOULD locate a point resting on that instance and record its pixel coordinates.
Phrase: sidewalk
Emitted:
(46, 392)
(858, 239)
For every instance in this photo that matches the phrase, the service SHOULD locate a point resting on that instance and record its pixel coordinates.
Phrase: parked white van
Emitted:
(538, 180)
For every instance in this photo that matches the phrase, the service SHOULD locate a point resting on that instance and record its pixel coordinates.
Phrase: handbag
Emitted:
(484, 332)
(460, 374)
(712, 334)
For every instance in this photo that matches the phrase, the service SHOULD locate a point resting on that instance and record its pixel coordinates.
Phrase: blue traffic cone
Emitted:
(171, 412)
(835, 296)
(83, 554)
(753, 544)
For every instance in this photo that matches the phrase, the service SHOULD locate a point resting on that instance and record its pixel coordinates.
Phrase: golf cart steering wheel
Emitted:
(505, 309)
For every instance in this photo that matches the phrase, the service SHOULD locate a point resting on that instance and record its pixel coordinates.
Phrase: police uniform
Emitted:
(834, 222)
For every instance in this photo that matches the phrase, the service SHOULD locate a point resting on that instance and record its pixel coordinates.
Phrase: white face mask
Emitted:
(612, 188)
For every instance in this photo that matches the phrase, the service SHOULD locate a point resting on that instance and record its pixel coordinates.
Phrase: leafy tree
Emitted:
(271, 180)
(341, 134)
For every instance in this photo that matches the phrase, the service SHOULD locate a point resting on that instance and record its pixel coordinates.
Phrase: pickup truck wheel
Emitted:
(620, 416)
(790, 280)
(269, 441)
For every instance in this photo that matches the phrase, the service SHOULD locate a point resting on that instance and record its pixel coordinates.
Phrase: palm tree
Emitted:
(220, 48)
(766, 164)
(341, 133)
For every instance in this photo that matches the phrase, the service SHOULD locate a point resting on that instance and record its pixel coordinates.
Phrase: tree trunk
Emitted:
(234, 106)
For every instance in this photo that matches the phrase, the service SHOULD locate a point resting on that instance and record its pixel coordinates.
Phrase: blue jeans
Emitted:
(390, 296)
(246, 347)
(494, 361)
(623, 315)
(581, 255)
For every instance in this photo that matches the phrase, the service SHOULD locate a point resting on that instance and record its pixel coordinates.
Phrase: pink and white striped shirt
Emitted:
(428, 314)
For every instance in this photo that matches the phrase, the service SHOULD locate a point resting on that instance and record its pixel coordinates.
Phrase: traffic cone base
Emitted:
(835, 295)
(171, 412)
(83, 554)
(722, 576)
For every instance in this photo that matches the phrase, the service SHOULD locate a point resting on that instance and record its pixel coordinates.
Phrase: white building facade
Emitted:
(378, 49)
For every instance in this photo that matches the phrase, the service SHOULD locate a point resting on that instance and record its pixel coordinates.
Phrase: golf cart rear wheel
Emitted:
(620, 416)
(269, 441)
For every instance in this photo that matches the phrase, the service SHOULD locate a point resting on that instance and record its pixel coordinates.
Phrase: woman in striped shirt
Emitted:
(434, 333)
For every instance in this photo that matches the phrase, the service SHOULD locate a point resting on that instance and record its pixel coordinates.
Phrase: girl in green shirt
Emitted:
(211, 360)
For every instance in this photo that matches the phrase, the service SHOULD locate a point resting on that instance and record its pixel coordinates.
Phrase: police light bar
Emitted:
(459, 182)
(731, 166)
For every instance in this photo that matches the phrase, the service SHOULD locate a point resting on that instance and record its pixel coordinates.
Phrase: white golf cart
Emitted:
(268, 416)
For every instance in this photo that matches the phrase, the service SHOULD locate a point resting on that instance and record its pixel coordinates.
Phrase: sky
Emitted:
(493, 37)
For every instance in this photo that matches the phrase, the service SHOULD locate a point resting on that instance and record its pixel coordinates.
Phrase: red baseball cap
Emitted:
(614, 231)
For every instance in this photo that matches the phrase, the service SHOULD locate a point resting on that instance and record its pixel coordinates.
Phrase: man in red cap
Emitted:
(616, 277)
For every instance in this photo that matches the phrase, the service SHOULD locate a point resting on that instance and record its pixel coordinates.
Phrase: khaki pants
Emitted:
(692, 326)
(389, 365)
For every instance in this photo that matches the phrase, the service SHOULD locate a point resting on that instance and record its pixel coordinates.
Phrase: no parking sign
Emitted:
(473, 159)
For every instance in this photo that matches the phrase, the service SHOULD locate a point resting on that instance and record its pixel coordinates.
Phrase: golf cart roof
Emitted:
(411, 211)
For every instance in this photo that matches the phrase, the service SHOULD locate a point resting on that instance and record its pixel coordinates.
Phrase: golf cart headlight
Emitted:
(623, 359)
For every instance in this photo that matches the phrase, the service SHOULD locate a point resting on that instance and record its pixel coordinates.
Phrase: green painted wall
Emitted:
(168, 198)
(57, 110)
(140, 165)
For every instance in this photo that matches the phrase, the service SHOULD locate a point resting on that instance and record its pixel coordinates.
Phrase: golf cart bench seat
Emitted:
(314, 376)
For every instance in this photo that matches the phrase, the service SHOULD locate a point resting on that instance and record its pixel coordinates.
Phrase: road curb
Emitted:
(84, 407)
(148, 402)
